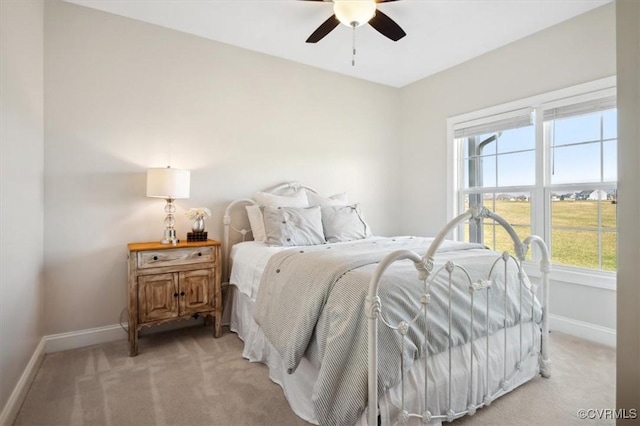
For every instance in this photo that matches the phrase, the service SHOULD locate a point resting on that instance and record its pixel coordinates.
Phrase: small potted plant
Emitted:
(198, 215)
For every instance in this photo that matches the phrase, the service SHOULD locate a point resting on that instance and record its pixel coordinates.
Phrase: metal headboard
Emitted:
(229, 223)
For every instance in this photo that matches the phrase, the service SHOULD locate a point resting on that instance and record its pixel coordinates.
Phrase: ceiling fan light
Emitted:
(354, 13)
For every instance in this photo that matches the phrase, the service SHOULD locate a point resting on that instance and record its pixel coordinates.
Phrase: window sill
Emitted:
(589, 278)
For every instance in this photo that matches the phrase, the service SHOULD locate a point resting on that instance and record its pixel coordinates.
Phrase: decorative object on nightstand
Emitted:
(197, 236)
(169, 184)
(170, 283)
(197, 215)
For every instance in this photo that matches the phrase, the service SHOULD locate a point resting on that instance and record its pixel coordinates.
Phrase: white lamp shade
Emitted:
(168, 183)
(354, 12)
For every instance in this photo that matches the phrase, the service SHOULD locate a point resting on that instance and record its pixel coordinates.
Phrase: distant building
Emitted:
(598, 194)
(584, 195)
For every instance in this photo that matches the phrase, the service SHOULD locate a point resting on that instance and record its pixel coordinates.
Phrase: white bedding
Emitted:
(249, 260)
(250, 257)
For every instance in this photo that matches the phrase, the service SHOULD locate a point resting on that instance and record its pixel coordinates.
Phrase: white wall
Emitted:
(21, 191)
(122, 96)
(628, 333)
(580, 50)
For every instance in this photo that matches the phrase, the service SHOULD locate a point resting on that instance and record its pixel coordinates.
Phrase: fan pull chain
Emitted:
(353, 56)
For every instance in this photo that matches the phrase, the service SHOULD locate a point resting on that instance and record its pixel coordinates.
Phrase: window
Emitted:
(582, 144)
(499, 173)
(549, 168)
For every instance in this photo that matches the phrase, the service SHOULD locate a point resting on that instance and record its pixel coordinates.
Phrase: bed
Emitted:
(380, 319)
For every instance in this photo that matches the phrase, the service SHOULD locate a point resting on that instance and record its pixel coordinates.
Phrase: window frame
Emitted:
(540, 211)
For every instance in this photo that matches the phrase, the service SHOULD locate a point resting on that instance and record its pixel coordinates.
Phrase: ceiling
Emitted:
(440, 33)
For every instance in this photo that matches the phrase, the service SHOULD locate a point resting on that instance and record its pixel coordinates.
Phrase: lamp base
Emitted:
(169, 221)
(169, 237)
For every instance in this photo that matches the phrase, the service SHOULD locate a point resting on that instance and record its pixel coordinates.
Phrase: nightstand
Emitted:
(171, 283)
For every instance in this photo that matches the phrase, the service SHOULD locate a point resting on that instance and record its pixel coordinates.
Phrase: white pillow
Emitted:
(291, 226)
(333, 200)
(344, 223)
(297, 199)
(256, 221)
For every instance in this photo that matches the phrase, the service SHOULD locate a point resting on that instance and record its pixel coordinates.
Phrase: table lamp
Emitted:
(170, 184)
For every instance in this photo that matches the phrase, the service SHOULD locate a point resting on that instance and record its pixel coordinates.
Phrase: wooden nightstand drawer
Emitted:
(184, 256)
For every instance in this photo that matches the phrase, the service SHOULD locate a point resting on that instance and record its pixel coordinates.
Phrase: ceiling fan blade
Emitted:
(324, 29)
(387, 26)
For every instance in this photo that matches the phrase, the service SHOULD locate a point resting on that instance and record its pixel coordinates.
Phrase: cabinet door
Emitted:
(196, 291)
(157, 297)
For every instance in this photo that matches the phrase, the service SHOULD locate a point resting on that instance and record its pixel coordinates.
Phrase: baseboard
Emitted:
(82, 338)
(106, 334)
(585, 330)
(11, 408)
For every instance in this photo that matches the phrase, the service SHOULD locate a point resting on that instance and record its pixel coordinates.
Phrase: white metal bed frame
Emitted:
(424, 266)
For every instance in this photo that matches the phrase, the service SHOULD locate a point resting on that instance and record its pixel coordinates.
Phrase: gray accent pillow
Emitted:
(292, 226)
(344, 223)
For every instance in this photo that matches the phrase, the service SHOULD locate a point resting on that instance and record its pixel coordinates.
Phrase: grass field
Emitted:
(569, 246)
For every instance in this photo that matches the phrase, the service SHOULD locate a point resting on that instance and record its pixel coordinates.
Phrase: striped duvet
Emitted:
(311, 303)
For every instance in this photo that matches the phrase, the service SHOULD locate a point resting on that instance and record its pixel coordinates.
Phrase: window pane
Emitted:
(497, 238)
(577, 211)
(574, 164)
(488, 230)
(478, 199)
(488, 169)
(514, 208)
(517, 169)
(581, 128)
(610, 124)
(609, 256)
(575, 248)
(480, 161)
(610, 170)
(489, 201)
(517, 140)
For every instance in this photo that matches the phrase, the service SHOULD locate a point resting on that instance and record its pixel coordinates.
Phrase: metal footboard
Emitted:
(425, 266)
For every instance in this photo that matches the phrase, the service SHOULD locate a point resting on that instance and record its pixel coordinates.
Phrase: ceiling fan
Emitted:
(354, 13)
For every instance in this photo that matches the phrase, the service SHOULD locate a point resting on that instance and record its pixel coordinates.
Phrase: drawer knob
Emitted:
(199, 254)
(155, 257)
(182, 293)
(175, 294)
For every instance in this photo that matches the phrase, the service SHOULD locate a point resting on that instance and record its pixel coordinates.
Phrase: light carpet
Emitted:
(185, 377)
